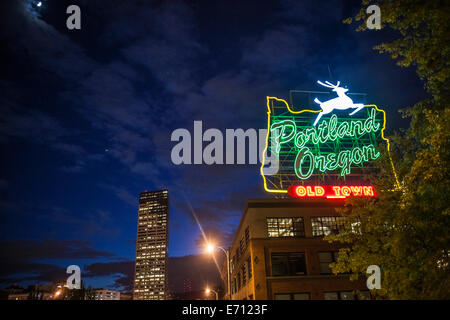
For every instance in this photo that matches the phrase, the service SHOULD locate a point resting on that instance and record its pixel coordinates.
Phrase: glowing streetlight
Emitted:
(210, 248)
(208, 291)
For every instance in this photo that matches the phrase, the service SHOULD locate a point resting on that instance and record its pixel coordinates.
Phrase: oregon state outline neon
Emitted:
(285, 190)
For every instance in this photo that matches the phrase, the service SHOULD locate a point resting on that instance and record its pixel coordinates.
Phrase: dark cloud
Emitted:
(236, 97)
(122, 193)
(319, 14)
(41, 44)
(229, 205)
(31, 272)
(122, 270)
(23, 260)
(287, 49)
(49, 249)
(3, 184)
(17, 120)
(171, 50)
(25, 122)
(55, 220)
(163, 38)
(219, 235)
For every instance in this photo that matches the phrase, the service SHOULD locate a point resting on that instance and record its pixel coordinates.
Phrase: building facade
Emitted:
(278, 252)
(106, 294)
(19, 296)
(150, 279)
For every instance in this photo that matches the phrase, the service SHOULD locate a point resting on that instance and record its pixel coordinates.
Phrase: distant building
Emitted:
(125, 296)
(187, 288)
(10, 292)
(32, 292)
(150, 279)
(278, 252)
(27, 296)
(18, 296)
(106, 294)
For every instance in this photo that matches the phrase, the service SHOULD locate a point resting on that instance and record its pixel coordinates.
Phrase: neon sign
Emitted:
(342, 102)
(330, 192)
(330, 146)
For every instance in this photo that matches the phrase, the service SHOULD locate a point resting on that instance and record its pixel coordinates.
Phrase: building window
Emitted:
(238, 277)
(331, 295)
(292, 296)
(247, 236)
(286, 227)
(242, 246)
(288, 264)
(249, 268)
(244, 279)
(347, 295)
(324, 226)
(325, 258)
(232, 286)
(340, 295)
(364, 295)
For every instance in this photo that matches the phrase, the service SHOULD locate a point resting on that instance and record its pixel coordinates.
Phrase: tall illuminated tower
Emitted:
(150, 277)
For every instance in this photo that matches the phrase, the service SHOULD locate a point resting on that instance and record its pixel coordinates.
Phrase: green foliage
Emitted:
(424, 34)
(407, 232)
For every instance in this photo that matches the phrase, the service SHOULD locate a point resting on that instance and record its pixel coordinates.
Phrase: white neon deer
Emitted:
(342, 102)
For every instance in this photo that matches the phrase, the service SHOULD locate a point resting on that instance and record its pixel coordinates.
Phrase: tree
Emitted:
(407, 231)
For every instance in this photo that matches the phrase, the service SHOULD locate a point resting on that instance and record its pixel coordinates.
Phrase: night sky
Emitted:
(86, 119)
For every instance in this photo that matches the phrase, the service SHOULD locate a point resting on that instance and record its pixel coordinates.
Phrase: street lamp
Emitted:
(210, 249)
(57, 293)
(208, 291)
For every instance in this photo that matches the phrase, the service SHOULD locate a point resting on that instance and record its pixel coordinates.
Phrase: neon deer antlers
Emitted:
(342, 102)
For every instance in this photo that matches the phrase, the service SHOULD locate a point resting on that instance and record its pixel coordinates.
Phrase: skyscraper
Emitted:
(150, 277)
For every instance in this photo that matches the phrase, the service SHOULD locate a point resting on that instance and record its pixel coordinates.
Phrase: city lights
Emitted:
(209, 290)
(210, 248)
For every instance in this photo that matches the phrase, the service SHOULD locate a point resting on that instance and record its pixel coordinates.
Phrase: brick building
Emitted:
(278, 252)
(106, 294)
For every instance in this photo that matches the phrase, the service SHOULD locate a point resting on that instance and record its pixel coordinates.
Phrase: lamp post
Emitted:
(210, 248)
(208, 291)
